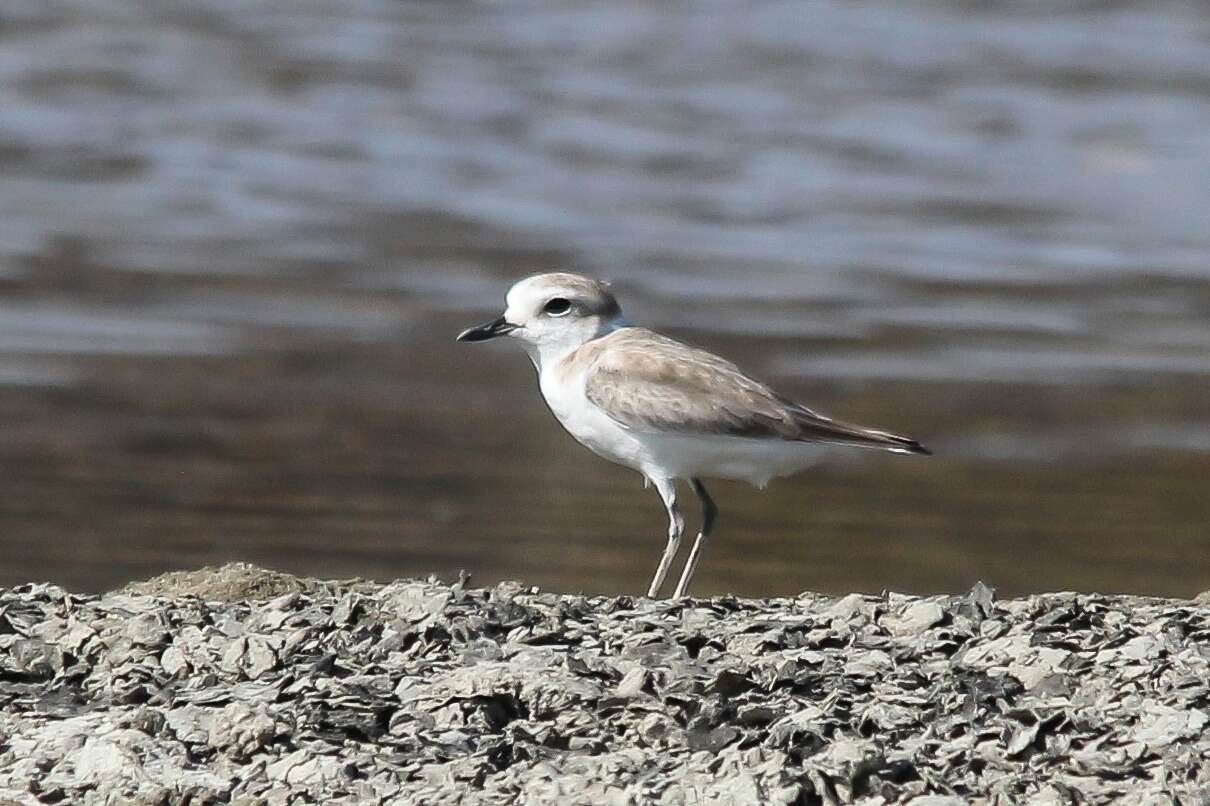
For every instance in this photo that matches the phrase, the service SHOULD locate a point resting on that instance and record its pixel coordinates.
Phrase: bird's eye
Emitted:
(556, 307)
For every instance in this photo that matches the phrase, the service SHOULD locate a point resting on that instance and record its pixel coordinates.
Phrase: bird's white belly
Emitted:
(755, 461)
(671, 455)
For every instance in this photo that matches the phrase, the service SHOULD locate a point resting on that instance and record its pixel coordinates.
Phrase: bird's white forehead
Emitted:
(528, 291)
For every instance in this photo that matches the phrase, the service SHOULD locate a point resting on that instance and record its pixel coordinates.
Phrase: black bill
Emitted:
(487, 330)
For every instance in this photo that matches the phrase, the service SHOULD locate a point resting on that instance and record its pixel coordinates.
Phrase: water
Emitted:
(236, 242)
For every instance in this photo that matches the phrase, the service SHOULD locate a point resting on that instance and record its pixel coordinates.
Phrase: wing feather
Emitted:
(648, 382)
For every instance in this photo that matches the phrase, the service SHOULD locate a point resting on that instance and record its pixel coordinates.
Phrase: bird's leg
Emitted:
(709, 511)
(676, 527)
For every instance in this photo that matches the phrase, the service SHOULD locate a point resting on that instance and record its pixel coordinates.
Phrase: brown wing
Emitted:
(648, 382)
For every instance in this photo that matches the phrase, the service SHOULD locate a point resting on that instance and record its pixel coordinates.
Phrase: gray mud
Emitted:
(246, 686)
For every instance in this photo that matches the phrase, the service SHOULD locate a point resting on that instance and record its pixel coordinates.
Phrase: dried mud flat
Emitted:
(238, 685)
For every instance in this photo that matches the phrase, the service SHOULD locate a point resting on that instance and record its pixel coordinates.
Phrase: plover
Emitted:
(664, 408)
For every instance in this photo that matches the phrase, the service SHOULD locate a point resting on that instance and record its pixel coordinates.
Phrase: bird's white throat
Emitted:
(552, 348)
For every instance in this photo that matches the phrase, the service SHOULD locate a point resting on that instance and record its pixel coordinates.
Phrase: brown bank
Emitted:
(239, 685)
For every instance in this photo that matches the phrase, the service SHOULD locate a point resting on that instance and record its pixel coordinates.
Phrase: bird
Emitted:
(670, 411)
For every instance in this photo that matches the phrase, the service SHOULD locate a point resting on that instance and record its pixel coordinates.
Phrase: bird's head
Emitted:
(553, 314)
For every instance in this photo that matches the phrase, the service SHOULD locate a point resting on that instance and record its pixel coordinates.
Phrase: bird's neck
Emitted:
(549, 354)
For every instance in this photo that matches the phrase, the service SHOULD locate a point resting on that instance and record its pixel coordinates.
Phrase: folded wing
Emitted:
(648, 382)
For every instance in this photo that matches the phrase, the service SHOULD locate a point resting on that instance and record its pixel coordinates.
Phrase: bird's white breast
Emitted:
(564, 393)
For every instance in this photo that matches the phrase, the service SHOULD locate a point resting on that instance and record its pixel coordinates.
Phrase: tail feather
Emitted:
(815, 427)
(905, 445)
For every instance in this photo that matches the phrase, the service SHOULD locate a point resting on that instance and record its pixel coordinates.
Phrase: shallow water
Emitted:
(236, 242)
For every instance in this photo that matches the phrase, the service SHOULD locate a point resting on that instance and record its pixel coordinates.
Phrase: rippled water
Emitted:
(236, 241)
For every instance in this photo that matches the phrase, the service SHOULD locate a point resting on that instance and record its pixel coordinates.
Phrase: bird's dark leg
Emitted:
(676, 528)
(709, 511)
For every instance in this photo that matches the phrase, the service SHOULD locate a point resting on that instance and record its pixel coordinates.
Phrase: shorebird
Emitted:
(664, 408)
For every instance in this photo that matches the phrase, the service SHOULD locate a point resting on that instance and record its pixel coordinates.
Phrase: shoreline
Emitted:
(241, 685)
